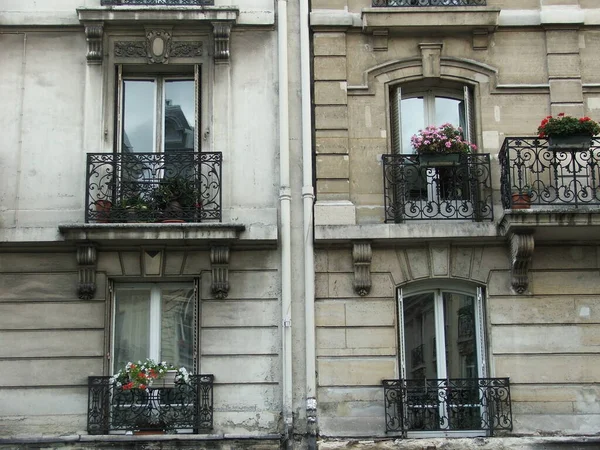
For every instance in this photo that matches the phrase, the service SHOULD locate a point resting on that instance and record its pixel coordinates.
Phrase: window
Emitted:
(423, 188)
(442, 359)
(158, 113)
(156, 321)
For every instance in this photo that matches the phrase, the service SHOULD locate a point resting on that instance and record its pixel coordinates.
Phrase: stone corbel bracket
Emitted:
(521, 252)
(221, 32)
(94, 32)
(87, 258)
(219, 260)
(361, 256)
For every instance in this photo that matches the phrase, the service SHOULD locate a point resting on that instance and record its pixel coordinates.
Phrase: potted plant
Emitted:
(133, 208)
(441, 145)
(567, 132)
(147, 374)
(177, 197)
(521, 198)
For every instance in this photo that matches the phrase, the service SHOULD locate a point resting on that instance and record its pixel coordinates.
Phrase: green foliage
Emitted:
(564, 125)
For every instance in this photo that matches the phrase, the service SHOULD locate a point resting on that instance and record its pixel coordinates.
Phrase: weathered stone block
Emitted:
(564, 65)
(331, 117)
(36, 316)
(329, 67)
(256, 368)
(361, 312)
(546, 339)
(330, 93)
(327, 188)
(418, 260)
(39, 287)
(247, 285)
(329, 44)
(557, 368)
(562, 41)
(43, 344)
(355, 371)
(239, 341)
(359, 338)
(330, 314)
(333, 166)
(330, 338)
(240, 313)
(331, 145)
(50, 372)
(566, 91)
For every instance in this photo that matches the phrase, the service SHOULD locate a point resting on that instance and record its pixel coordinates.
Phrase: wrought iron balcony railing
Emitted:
(153, 187)
(186, 407)
(477, 404)
(157, 2)
(418, 189)
(535, 174)
(418, 3)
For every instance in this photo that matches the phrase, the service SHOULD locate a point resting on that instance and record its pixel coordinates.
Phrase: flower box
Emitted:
(572, 142)
(439, 160)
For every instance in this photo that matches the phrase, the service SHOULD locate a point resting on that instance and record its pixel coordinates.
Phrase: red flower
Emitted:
(585, 119)
(561, 114)
(541, 135)
(142, 386)
(127, 386)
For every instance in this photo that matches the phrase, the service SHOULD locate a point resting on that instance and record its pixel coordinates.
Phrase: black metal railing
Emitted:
(477, 404)
(185, 407)
(534, 173)
(418, 189)
(418, 3)
(153, 187)
(157, 2)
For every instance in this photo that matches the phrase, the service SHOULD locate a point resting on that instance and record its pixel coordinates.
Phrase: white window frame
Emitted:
(155, 317)
(438, 287)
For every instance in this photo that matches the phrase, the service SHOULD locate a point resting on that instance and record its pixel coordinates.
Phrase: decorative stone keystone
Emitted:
(521, 252)
(93, 35)
(86, 259)
(361, 255)
(431, 53)
(221, 31)
(158, 45)
(219, 259)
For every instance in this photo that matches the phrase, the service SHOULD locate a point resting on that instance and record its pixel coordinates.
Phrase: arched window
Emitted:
(418, 105)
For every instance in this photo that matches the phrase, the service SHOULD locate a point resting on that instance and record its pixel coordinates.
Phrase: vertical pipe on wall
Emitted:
(308, 201)
(285, 198)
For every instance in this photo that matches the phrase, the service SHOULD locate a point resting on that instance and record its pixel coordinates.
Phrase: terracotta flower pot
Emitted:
(521, 201)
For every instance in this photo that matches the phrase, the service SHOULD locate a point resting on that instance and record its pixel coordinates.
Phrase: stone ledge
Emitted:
(409, 232)
(158, 14)
(553, 224)
(434, 19)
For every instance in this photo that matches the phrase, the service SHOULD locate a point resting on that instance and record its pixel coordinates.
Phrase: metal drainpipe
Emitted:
(308, 221)
(285, 198)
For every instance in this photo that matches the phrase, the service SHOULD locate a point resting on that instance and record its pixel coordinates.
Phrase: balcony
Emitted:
(153, 187)
(156, 2)
(184, 407)
(415, 189)
(421, 3)
(444, 405)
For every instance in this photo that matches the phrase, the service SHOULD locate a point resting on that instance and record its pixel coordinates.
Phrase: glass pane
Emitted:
(419, 334)
(448, 110)
(138, 116)
(413, 120)
(461, 349)
(132, 316)
(180, 108)
(177, 327)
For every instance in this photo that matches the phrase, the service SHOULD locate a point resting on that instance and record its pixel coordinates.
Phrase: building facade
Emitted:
(479, 317)
(141, 218)
(232, 188)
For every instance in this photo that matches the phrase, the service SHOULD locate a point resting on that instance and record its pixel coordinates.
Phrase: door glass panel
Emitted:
(413, 120)
(177, 327)
(179, 115)
(448, 110)
(132, 331)
(459, 324)
(138, 116)
(419, 332)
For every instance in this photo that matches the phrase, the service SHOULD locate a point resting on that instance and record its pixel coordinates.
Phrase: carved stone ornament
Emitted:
(186, 49)
(130, 49)
(219, 259)
(311, 415)
(93, 36)
(86, 260)
(158, 46)
(361, 255)
(221, 31)
(521, 251)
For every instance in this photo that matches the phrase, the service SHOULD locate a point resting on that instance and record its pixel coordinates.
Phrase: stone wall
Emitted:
(52, 341)
(546, 341)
